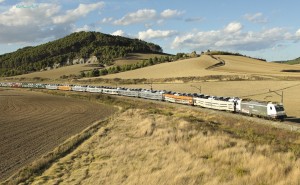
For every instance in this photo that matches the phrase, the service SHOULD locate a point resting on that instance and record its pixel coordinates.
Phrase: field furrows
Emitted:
(32, 124)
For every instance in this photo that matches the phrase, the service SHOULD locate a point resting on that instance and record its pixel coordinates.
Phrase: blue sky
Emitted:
(259, 28)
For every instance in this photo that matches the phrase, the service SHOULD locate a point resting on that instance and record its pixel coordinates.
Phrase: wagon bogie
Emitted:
(113, 91)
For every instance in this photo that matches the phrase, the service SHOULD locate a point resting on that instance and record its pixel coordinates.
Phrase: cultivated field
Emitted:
(139, 147)
(134, 58)
(32, 124)
(76, 69)
(244, 65)
(234, 65)
(57, 73)
(181, 68)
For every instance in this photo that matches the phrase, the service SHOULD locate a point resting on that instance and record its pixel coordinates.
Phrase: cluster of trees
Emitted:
(230, 53)
(128, 67)
(76, 45)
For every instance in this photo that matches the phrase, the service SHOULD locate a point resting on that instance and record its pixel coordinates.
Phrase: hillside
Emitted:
(75, 70)
(152, 146)
(245, 65)
(182, 68)
(291, 62)
(197, 67)
(76, 45)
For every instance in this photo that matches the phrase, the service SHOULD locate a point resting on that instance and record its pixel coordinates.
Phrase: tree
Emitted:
(82, 74)
(95, 73)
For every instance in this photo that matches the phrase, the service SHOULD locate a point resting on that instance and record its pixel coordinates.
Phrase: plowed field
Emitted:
(32, 124)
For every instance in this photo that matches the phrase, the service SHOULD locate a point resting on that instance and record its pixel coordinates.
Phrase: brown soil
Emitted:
(32, 124)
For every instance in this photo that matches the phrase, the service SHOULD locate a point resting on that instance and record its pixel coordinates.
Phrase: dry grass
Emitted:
(181, 68)
(141, 148)
(57, 73)
(76, 69)
(134, 58)
(244, 65)
(234, 65)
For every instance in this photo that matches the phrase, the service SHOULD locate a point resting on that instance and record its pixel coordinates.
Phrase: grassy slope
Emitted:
(291, 62)
(76, 69)
(234, 65)
(196, 67)
(134, 58)
(238, 64)
(181, 68)
(57, 73)
(141, 148)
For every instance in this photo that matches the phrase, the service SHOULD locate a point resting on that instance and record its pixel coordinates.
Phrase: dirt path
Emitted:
(32, 124)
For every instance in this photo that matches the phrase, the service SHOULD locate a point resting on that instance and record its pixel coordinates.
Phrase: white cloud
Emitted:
(144, 16)
(81, 10)
(168, 13)
(28, 16)
(107, 20)
(1, 1)
(233, 27)
(232, 37)
(136, 17)
(256, 18)
(298, 33)
(154, 34)
(84, 28)
(35, 24)
(119, 33)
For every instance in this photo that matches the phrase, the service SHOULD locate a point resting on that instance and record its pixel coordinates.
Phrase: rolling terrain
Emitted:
(133, 58)
(141, 146)
(32, 124)
(181, 68)
(54, 74)
(57, 73)
(157, 146)
(234, 65)
(244, 65)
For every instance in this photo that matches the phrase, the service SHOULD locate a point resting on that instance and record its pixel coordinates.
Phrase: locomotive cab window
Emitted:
(279, 108)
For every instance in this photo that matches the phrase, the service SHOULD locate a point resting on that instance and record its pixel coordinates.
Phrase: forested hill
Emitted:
(76, 45)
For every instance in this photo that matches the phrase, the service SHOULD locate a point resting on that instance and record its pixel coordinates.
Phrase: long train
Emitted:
(262, 109)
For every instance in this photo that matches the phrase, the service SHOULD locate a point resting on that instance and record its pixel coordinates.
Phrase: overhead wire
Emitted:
(270, 91)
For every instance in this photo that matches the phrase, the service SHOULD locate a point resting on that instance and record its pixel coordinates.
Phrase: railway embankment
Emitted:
(147, 134)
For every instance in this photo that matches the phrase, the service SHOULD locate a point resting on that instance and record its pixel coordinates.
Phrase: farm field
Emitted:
(234, 65)
(32, 124)
(57, 73)
(244, 65)
(133, 58)
(181, 68)
(140, 147)
(240, 89)
(77, 68)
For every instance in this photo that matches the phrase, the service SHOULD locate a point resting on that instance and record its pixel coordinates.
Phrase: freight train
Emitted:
(262, 109)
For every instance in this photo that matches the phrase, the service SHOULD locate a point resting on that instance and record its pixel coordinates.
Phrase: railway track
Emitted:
(287, 125)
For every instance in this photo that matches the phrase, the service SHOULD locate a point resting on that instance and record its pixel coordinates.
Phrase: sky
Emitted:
(258, 28)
